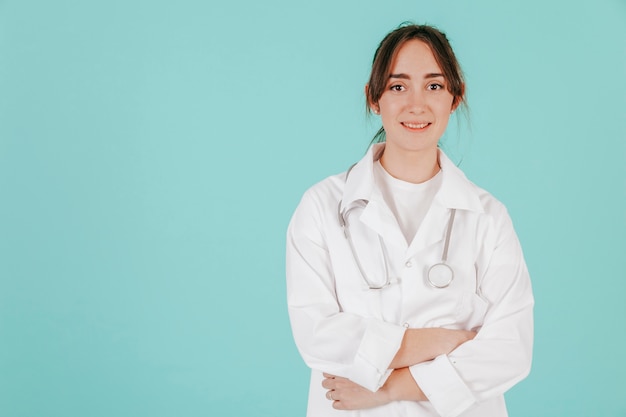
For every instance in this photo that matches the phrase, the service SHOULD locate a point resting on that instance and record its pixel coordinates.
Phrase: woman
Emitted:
(407, 289)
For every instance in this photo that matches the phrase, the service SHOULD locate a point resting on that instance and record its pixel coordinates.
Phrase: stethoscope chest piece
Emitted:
(440, 275)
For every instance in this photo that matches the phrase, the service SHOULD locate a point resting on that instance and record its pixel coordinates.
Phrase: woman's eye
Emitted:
(435, 86)
(396, 87)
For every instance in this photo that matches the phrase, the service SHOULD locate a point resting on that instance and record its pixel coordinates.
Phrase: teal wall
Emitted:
(152, 152)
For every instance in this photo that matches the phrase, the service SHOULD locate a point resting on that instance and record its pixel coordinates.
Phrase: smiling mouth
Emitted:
(415, 125)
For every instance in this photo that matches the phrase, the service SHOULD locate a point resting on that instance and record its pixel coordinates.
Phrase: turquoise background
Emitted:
(152, 152)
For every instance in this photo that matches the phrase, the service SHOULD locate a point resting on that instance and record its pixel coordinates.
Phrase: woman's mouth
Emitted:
(415, 125)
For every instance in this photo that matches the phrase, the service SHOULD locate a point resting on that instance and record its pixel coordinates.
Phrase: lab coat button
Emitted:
(405, 325)
(408, 264)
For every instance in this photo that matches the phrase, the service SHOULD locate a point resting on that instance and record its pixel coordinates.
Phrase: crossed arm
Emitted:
(418, 345)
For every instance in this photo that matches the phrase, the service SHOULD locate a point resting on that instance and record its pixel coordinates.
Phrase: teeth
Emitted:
(416, 125)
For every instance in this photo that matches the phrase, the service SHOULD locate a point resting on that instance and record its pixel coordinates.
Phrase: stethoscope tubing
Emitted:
(444, 273)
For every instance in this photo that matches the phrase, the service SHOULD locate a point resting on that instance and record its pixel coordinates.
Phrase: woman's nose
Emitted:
(417, 100)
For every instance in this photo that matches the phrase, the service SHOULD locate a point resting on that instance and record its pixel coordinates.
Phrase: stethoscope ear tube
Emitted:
(346, 232)
(444, 257)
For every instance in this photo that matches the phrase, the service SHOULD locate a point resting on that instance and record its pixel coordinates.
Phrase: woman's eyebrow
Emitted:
(406, 77)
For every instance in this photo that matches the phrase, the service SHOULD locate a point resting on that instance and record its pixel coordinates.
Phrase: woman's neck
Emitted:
(413, 167)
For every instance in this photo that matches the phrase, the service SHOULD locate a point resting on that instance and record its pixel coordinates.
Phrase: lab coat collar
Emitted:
(360, 184)
(456, 190)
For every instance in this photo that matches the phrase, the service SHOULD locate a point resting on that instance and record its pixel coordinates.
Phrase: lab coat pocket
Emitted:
(471, 311)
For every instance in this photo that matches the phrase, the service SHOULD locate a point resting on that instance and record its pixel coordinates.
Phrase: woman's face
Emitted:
(416, 104)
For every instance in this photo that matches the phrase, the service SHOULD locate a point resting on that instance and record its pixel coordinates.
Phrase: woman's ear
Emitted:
(373, 107)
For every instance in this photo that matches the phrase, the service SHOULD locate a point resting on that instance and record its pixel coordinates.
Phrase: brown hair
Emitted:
(387, 51)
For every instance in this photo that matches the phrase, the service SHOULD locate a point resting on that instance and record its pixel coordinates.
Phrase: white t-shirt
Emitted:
(409, 202)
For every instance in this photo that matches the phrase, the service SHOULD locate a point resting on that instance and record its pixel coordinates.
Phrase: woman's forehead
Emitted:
(414, 56)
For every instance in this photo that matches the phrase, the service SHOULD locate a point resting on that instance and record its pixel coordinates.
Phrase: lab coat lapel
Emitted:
(431, 230)
(456, 192)
(378, 217)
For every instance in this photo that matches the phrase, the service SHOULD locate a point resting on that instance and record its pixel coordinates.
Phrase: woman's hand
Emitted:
(347, 395)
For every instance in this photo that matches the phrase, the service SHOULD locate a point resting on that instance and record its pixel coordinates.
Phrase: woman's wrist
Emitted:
(401, 386)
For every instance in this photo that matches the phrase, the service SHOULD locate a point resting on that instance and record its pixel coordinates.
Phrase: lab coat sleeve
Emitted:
(329, 339)
(500, 354)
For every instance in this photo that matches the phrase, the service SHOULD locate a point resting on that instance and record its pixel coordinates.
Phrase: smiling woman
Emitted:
(438, 48)
(382, 336)
(414, 108)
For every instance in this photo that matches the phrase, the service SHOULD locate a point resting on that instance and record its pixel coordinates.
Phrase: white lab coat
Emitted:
(345, 329)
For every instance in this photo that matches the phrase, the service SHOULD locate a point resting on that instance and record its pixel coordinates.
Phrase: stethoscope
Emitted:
(440, 275)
